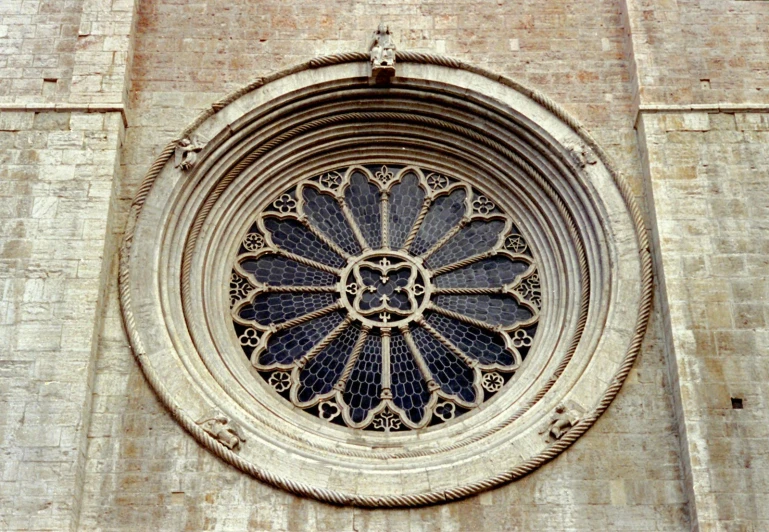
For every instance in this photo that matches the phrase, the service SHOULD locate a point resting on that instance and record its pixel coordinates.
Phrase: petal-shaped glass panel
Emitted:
(476, 238)
(364, 201)
(281, 306)
(275, 270)
(445, 213)
(287, 346)
(484, 346)
(451, 374)
(406, 199)
(325, 214)
(322, 372)
(408, 386)
(487, 273)
(364, 387)
(492, 309)
(296, 238)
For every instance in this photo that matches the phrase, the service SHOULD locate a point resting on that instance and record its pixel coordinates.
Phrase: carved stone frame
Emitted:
(578, 212)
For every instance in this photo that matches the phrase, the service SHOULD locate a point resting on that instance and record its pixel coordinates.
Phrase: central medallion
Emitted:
(386, 288)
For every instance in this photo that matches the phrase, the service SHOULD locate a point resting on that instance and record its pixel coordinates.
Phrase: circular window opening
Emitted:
(385, 297)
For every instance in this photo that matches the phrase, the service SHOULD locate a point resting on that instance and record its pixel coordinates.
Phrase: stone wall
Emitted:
(708, 178)
(623, 474)
(700, 51)
(702, 100)
(37, 45)
(63, 72)
(56, 191)
(84, 442)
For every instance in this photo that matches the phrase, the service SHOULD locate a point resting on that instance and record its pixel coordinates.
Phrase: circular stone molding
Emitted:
(483, 273)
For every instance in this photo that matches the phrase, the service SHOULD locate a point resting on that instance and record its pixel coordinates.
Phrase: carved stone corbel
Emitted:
(223, 430)
(382, 54)
(562, 421)
(582, 156)
(186, 153)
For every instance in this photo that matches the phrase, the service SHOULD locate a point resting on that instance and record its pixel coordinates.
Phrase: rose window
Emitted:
(385, 298)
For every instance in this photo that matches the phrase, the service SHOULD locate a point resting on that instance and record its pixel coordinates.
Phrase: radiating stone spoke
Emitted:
(466, 319)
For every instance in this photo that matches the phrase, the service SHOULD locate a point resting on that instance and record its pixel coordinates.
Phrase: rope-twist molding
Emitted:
(433, 497)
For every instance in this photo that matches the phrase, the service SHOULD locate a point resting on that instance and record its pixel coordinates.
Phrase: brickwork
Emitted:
(708, 177)
(700, 51)
(56, 184)
(183, 62)
(83, 440)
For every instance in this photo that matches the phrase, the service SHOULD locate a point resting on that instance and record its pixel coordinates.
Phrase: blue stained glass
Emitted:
(375, 291)
(476, 238)
(325, 213)
(452, 375)
(322, 372)
(287, 346)
(406, 199)
(275, 270)
(493, 272)
(364, 387)
(477, 343)
(385, 292)
(297, 239)
(408, 386)
(445, 213)
(364, 201)
(492, 309)
(278, 307)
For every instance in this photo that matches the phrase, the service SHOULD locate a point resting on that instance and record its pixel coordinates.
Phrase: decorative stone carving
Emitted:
(223, 430)
(186, 154)
(382, 55)
(583, 156)
(562, 422)
(593, 274)
(355, 250)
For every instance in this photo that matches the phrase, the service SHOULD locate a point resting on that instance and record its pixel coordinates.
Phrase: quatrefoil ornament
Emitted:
(387, 286)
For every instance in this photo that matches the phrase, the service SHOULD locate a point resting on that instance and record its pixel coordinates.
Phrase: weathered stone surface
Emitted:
(711, 234)
(84, 442)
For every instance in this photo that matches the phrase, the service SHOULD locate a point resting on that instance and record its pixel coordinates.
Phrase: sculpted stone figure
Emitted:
(186, 154)
(382, 53)
(561, 422)
(220, 428)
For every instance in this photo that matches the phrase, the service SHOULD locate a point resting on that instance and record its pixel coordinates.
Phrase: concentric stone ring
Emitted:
(385, 340)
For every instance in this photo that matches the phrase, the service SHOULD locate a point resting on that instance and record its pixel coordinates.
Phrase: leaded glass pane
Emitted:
(294, 237)
(324, 213)
(406, 200)
(486, 273)
(478, 237)
(363, 198)
(445, 213)
(364, 388)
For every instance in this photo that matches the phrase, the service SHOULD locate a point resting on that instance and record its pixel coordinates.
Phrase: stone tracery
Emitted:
(346, 264)
(514, 144)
